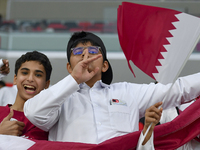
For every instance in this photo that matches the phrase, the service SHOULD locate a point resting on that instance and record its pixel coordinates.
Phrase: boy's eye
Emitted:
(93, 52)
(38, 75)
(24, 73)
(78, 52)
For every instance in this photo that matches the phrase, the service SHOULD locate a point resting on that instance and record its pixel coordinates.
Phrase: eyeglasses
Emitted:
(91, 50)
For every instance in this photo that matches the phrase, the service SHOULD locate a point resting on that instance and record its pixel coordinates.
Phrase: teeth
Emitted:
(28, 86)
(29, 90)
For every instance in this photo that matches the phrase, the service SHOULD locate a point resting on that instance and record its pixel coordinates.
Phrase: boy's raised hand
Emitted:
(80, 72)
(5, 68)
(8, 127)
(152, 116)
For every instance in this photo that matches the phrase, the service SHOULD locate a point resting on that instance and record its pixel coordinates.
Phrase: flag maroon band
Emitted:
(170, 135)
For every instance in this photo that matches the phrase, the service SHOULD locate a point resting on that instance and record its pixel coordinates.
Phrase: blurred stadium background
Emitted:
(46, 26)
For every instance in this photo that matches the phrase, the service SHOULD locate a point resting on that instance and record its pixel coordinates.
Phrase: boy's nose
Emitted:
(84, 51)
(30, 78)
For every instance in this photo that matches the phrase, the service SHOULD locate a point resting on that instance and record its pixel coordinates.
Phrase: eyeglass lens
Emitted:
(91, 50)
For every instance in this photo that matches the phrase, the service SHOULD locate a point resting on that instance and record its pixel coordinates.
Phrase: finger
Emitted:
(89, 60)
(9, 116)
(6, 62)
(158, 104)
(154, 110)
(151, 120)
(4, 67)
(18, 125)
(86, 54)
(19, 129)
(153, 115)
(92, 73)
(19, 133)
(86, 62)
(21, 124)
(16, 133)
(5, 70)
(161, 109)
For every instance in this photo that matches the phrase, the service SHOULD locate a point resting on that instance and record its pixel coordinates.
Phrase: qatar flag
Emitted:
(157, 40)
(170, 135)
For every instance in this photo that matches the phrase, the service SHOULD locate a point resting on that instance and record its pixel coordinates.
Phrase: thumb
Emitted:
(10, 115)
(7, 63)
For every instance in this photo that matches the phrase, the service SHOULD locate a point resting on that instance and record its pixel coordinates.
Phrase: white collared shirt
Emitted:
(8, 95)
(76, 113)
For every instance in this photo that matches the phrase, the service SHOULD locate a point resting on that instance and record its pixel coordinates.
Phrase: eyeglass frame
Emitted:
(99, 49)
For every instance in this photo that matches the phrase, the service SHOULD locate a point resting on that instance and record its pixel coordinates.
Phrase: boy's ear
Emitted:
(47, 84)
(69, 68)
(105, 66)
(15, 80)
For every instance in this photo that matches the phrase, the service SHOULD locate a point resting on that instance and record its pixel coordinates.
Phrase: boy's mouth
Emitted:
(29, 88)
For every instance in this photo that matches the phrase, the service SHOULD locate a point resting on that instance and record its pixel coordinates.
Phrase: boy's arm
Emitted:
(4, 68)
(183, 90)
(43, 110)
(152, 117)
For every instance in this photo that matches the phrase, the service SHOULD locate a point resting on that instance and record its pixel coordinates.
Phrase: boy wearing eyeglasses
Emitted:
(85, 107)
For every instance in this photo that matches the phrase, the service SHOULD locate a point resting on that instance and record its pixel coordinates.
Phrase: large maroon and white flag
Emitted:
(169, 136)
(158, 41)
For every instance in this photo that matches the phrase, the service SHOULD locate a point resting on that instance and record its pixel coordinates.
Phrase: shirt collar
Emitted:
(97, 85)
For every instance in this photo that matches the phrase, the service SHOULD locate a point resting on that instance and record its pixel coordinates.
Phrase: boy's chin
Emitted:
(29, 97)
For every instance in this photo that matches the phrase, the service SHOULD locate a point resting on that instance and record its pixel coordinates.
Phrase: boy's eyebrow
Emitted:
(24, 69)
(35, 70)
(39, 71)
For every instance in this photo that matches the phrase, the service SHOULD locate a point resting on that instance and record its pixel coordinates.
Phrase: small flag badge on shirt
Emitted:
(117, 102)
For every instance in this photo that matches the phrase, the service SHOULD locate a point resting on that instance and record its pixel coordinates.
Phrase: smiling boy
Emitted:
(85, 107)
(32, 75)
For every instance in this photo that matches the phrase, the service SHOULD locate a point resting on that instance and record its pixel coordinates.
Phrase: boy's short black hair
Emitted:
(35, 56)
(84, 37)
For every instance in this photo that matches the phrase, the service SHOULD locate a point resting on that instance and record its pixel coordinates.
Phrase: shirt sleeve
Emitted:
(168, 115)
(148, 146)
(43, 110)
(183, 90)
(1, 64)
